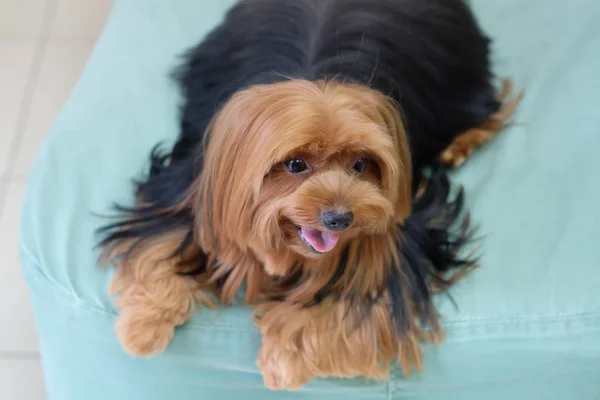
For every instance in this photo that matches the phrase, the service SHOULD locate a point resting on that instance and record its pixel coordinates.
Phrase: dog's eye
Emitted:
(360, 165)
(296, 165)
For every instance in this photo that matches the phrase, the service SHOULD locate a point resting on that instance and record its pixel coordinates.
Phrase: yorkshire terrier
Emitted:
(312, 170)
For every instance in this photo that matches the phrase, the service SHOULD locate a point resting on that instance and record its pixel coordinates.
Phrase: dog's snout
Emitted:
(337, 220)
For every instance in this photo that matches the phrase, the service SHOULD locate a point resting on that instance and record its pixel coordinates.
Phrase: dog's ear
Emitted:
(399, 185)
(233, 170)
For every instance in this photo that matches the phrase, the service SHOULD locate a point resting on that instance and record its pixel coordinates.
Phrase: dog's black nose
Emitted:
(337, 220)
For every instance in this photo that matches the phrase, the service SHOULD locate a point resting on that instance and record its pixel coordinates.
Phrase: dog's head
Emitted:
(302, 168)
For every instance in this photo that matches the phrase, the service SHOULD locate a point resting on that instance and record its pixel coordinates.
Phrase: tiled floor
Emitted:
(44, 45)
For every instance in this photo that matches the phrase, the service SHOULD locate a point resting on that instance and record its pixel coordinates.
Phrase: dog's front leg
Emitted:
(331, 339)
(282, 368)
(152, 296)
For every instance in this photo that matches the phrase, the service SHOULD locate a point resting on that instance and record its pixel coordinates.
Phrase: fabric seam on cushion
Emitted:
(75, 300)
(72, 299)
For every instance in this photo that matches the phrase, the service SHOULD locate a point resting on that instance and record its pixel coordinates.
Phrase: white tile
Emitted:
(16, 58)
(61, 66)
(18, 332)
(80, 18)
(21, 18)
(21, 379)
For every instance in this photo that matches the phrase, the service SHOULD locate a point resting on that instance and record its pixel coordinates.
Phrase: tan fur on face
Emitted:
(246, 203)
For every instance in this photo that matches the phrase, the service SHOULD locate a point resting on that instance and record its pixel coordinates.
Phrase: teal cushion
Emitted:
(527, 325)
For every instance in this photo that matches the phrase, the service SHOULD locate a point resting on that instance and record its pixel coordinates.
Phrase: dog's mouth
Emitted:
(318, 241)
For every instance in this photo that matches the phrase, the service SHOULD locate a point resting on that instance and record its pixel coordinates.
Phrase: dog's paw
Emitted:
(275, 378)
(271, 378)
(279, 369)
(463, 146)
(143, 337)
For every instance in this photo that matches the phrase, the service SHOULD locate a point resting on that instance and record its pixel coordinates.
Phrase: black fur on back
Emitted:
(429, 56)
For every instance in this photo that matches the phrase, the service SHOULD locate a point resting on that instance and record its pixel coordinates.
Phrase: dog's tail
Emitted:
(431, 251)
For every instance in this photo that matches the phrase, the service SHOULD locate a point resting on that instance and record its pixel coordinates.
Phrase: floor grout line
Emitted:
(19, 355)
(27, 98)
(15, 177)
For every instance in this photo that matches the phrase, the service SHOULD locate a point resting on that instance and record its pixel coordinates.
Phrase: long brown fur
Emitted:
(337, 337)
(246, 211)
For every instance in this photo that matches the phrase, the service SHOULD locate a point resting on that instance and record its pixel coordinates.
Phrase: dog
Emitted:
(311, 170)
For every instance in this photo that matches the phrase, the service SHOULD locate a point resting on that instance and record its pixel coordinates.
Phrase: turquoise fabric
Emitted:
(527, 324)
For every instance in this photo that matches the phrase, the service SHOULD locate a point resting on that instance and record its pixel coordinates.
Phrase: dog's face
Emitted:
(306, 167)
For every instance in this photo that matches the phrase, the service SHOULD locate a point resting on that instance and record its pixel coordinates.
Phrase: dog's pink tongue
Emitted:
(322, 242)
